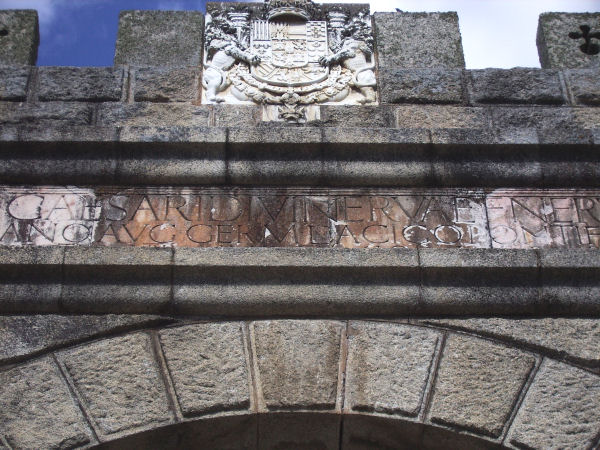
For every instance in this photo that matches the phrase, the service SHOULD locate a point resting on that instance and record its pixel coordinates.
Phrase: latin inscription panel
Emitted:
(337, 218)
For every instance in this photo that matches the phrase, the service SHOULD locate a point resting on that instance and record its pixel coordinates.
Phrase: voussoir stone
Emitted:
(298, 363)
(478, 384)
(119, 383)
(388, 367)
(37, 410)
(561, 410)
(27, 335)
(578, 339)
(208, 365)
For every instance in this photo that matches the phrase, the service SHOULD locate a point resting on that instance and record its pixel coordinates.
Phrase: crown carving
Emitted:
(300, 8)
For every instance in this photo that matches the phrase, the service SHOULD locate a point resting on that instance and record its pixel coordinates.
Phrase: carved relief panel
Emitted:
(289, 56)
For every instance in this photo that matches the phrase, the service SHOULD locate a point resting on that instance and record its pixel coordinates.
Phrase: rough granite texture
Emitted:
(92, 84)
(19, 37)
(561, 410)
(13, 83)
(399, 85)
(584, 85)
(160, 38)
(208, 366)
(119, 383)
(577, 339)
(388, 367)
(523, 86)
(297, 363)
(478, 384)
(22, 336)
(36, 395)
(162, 85)
(418, 40)
(556, 49)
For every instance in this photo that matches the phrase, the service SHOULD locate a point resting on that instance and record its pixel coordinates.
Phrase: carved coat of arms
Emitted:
(292, 53)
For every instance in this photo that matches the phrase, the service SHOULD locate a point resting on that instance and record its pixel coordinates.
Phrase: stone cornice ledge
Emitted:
(276, 282)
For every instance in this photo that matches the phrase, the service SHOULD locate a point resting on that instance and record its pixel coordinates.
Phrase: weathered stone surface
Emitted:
(299, 431)
(196, 158)
(13, 82)
(152, 114)
(28, 335)
(46, 113)
(561, 409)
(558, 50)
(208, 365)
(19, 294)
(275, 154)
(160, 38)
(514, 280)
(532, 117)
(440, 86)
(566, 218)
(37, 411)
(369, 156)
(527, 86)
(293, 217)
(119, 383)
(19, 37)
(418, 40)
(357, 116)
(425, 116)
(297, 363)
(236, 115)
(388, 367)
(97, 84)
(584, 85)
(478, 384)
(166, 84)
(587, 118)
(577, 339)
(65, 132)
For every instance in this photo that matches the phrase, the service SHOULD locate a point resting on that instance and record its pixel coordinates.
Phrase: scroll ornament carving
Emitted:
(290, 53)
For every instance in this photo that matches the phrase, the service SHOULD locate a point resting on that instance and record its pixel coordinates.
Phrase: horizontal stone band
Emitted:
(310, 217)
(247, 282)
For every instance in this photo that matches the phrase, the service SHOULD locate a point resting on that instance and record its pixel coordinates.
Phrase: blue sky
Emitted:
(496, 33)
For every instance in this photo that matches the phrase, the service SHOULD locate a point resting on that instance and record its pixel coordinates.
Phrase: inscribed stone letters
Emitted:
(337, 218)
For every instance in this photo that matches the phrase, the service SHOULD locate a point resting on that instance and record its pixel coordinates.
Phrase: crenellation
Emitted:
(160, 38)
(20, 37)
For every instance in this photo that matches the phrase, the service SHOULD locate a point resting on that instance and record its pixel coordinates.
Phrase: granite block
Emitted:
(160, 38)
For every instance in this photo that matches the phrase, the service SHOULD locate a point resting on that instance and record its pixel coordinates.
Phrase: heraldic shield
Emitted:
(289, 52)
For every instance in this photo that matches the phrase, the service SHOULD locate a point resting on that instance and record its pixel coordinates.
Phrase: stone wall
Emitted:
(418, 273)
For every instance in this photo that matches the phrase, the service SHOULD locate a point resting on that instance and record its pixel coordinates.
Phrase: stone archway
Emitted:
(370, 384)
